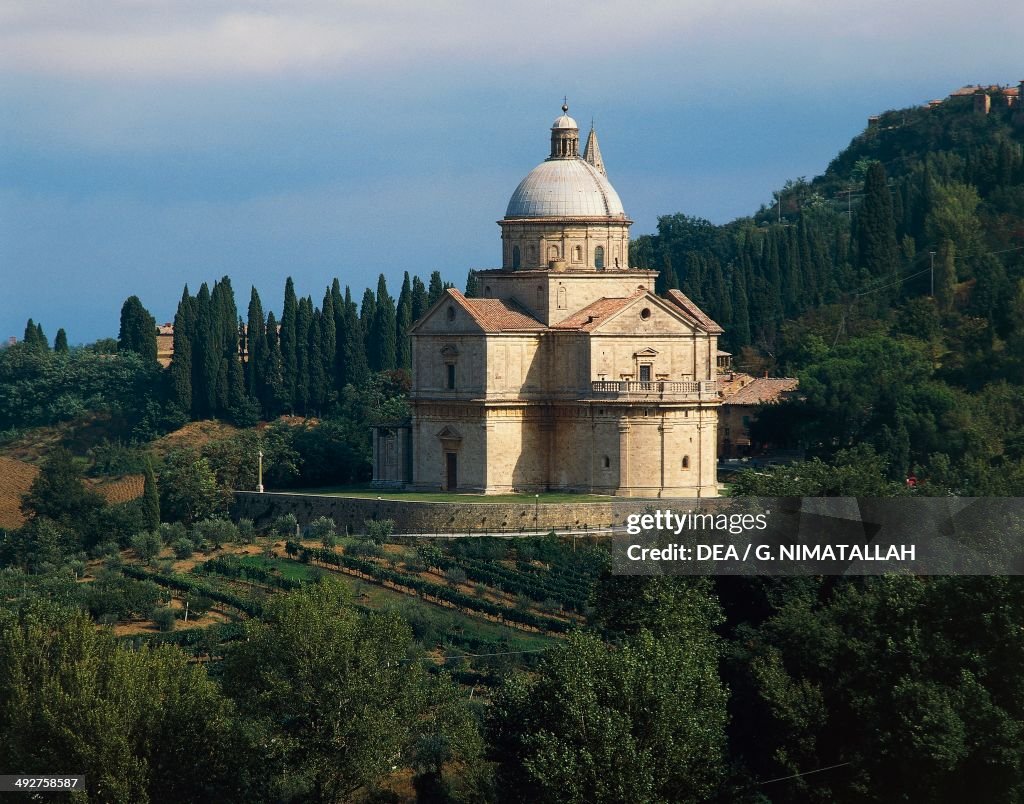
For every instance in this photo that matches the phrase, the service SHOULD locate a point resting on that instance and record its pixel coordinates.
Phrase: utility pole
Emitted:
(259, 485)
(932, 254)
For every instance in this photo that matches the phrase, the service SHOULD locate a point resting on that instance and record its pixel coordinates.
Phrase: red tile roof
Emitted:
(594, 314)
(496, 315)
(681, 300)
(761, 391)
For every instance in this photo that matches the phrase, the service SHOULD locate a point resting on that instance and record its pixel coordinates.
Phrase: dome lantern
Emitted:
(565, 136)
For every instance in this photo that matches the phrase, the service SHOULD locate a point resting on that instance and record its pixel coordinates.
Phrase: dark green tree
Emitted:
(289, 339)
(435, 289)
(357, 369)
(404, 317)
(150, 498)
(876, 230)
(419, 299)
(59, 494)
(182, 370)
(256, 348)
(138, 329)
(383, 351)
(472, 284)
(60, 343)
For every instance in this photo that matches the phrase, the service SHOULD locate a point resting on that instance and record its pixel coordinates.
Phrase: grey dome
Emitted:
(564, 188)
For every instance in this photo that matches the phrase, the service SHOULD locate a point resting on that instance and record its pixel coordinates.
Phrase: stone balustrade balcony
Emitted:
(668, 390)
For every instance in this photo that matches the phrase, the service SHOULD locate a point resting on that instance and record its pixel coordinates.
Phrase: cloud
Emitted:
(224, 38)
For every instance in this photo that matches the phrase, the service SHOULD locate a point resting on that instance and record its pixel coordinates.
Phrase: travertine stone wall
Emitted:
(439, 518)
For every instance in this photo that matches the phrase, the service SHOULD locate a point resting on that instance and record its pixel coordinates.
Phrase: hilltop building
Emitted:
(743, 398)
(568, 373)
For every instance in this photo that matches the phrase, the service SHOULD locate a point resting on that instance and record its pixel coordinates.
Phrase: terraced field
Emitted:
(15, 478)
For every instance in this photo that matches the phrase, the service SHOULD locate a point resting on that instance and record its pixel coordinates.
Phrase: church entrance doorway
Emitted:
(451, 475)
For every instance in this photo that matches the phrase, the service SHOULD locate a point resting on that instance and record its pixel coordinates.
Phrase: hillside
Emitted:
(892, 285)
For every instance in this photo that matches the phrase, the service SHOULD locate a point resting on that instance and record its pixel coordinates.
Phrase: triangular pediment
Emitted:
(449, 433)
(648, 352)
(648, 314)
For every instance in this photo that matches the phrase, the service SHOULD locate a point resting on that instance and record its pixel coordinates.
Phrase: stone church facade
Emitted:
(568, 372)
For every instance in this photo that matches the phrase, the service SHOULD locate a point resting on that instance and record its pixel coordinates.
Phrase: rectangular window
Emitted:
(451, 376)
(645, 373)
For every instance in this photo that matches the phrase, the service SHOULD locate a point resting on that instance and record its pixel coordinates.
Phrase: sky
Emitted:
(146, 144)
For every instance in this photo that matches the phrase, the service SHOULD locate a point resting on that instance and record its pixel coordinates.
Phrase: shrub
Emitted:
(170, 532)
(104, 550)
(164, 617)
(285, 525)
(199, 605)
(147, 545)
(480, 590)
(215, 531)
(378, 530)
(455, 575)
(364, 549)
(323, 530)
(246, 531)
(182, 548)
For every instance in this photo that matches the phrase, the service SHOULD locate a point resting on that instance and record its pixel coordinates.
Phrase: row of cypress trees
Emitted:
(261, 365)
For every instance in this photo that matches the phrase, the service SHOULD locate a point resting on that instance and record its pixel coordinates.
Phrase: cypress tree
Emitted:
(945, 275)
(256, 346)
(876, 232)
(472, 284)
(436, 288)
(367, 311)
(693, 281)
(289, 342)
(328, 345)
(138, 330)
(667, 278)
(275, 395)
(789, 257)
(302, 324)
(181, 360)
(315, 355)
(60, 344)
(383, 353)
(206, 358)
(150, 498)
(739, 332)
(419, 299)
(403, 344)
(720, 301)
(31, 337)
(41, 339)
(338, 302)
(357, 369)
(236, 371)
(224, 338)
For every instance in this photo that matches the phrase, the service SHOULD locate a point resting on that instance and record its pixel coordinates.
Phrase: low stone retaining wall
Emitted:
(441, 517)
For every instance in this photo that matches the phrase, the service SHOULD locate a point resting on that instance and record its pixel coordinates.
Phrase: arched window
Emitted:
(606, 462)
(562, 302)
(552, 252)
(577, 254)
(487, 291)
(515, 258)
(686, 461)
(599, 257)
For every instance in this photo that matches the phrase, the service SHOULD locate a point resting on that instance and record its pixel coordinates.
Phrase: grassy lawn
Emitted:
(366, 492)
